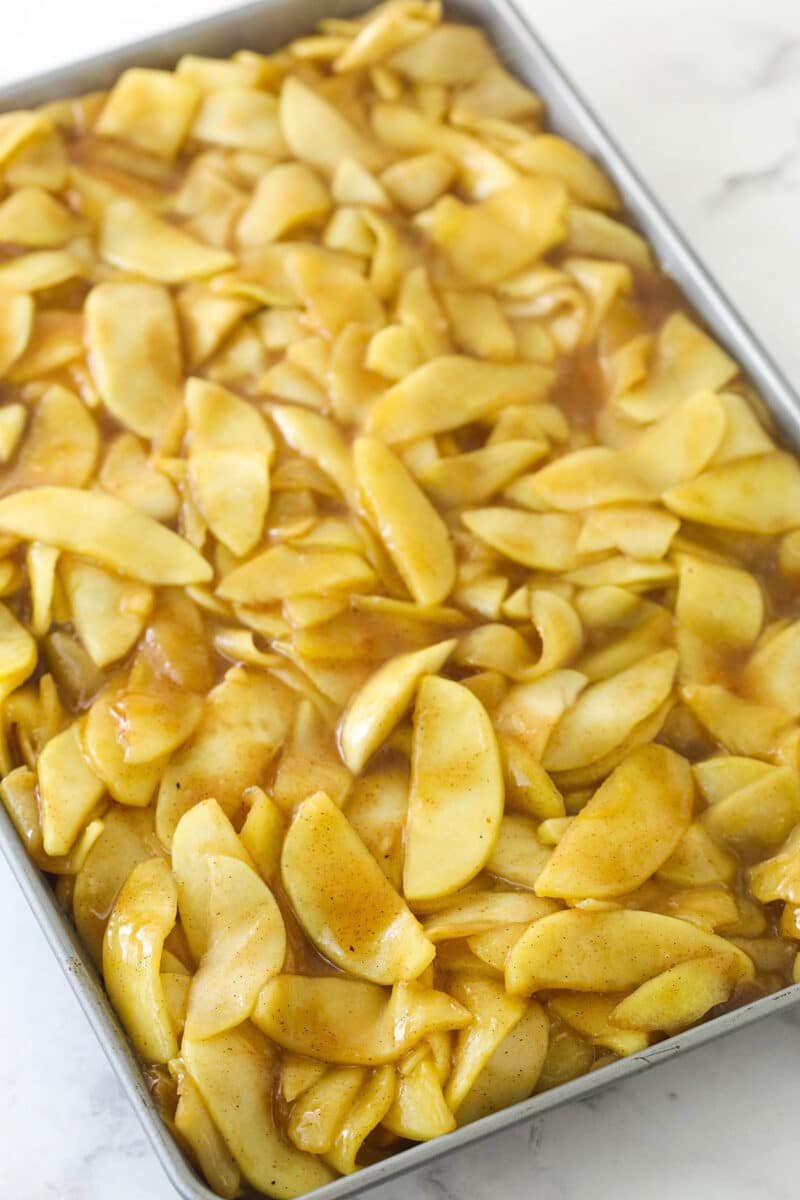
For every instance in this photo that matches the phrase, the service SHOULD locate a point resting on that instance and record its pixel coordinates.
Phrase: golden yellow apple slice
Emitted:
(246, 945)
(591, 1017)
(376, 808)
(60, 446)
(512, 1071)
(321, 1111)
(754, 495)
(246, 718)
(720, 603)
(16, 323)
(193, 1122)
(18, 653)
(679, 996)
(134, 239)
(531, 711)
(685, 361)
(204, 831)
(778, 878)
(698, 859)
(153, 721)
(742, 726)
(234, 1073)
(298, 1074)
(494, 1015)
(609, 951)
(605, 714)
(452, 391)
(629, 828)
(348, 1021)
(143, 915)
(419, 1111)
(412, 531)
(678, 446)
(760, 814)
(484, 911)
(346, 904)
(318, 133)
(370, 1107)
(529, 789)
(378, 706)
(456, 799)
(68, 790)
(771, 673)
(318, 438)
(262, 832)
(518, 855)
(494, 946)
(474, 477)
(134, 351)
(103, 528)
(128, 783)
(108, 612)
(282, 572)
(230, 451)
(127, 838)
(543, 541)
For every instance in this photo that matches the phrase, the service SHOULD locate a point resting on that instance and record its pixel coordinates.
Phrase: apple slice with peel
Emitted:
(344, 901)
(456, 800)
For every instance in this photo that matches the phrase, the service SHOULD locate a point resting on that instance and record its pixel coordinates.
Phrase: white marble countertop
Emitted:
(705, 97)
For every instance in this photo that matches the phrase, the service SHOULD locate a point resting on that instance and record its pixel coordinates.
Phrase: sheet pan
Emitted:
(263, 26)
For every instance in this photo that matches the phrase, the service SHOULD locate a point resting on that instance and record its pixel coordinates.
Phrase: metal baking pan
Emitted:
(264, 26)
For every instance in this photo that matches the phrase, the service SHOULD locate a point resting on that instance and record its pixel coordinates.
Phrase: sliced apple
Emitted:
(531, 711)
(370, 1107)
(235, 1075)
(204, 831)
(143, 915)
(322, 1109)
(608, 951)
(415, 536)
(103, 529)
(754, 495)
(485, 911)
(628, 830)
(18, 652)
(678, 997)
(456, 800)
(127, 838)
(246, 945)
(604, 715)
(344, 901)
(246, 717)
(419, 1111)
(377, 811)
(512, 1071)
(591, 1017)
(193, 1122)
(378, 706)
(348, 1021)
(518, 855)
(494, 1015)
(68, 790)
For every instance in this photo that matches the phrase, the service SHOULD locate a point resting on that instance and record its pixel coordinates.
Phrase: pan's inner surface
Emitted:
(398, 597)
